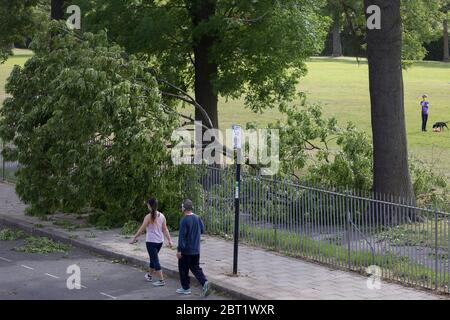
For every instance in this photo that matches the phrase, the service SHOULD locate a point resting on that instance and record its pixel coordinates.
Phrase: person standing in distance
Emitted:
(425, 111)
(191, 228)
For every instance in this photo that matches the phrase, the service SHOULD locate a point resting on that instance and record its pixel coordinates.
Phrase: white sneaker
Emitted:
(148, 277)
(206, 290)
(183, 291)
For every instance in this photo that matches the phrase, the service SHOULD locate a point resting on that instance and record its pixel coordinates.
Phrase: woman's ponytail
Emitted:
(153, 203)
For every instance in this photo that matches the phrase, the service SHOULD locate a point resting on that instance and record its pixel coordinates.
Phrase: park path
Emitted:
(262, 274)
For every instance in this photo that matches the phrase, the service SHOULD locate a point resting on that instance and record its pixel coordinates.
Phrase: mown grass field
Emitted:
(19, 58)
(341, 86)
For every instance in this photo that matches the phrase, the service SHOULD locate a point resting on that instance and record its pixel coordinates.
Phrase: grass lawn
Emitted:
(20, 56)
(341, 85)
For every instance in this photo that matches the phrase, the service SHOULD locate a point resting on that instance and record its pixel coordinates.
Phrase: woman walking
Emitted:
(156, 228)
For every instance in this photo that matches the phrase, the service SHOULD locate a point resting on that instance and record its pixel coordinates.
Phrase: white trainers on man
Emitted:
(206, 290)
(184, 291)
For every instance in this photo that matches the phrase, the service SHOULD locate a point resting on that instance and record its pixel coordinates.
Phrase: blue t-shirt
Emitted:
(191, 228)
(425, 107)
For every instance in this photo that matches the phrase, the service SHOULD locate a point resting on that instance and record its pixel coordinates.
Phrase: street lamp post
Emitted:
(237, 134)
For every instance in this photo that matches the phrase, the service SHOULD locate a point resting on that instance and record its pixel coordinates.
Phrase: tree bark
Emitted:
(384, 48)
(446, 42)
(205, 69)
(57, 10)
(337, 41)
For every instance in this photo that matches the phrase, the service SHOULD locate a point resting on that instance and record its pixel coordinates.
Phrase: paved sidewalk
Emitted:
(263, 274)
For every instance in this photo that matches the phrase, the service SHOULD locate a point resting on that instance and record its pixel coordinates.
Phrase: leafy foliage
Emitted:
(429, 186)
(11, 234)
(130, 227)
(352, 162)
(67, 225)
(422, 23)
(259, 46)
(88, 129)
(18, 19)
(306, 148)
(42, 245)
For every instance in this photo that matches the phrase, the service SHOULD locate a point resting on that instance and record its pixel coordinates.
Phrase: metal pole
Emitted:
(348, 226)
(237, 137)
(3, 162)
(236, 217)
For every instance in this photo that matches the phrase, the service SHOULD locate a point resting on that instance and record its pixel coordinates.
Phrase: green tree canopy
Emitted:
(88, 128)
(422, 22)
(250, 49)
(18, 19)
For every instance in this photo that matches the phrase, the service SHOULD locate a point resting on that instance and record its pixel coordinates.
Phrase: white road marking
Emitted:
(84, 287)
(26, 267)
(50, 275)
(107, 295)
(4, 259)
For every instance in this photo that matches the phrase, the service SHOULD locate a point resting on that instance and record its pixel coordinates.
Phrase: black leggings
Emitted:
(153, 250)
(424, 122)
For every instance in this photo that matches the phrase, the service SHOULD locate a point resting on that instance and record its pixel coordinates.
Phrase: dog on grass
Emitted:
(440, 126)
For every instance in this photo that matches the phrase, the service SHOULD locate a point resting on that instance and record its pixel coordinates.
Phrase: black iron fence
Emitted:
(359, 231)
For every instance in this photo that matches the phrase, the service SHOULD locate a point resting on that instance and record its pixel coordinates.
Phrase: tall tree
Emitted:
(334, 9)
(406, 26)
(384, 49)
(57, 9)
(446, 42)
(421, 23)
(205, 68)
(445, 10)
(337, 39)
(250, 49)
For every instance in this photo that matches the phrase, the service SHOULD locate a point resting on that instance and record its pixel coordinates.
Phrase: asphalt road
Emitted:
(33, 276)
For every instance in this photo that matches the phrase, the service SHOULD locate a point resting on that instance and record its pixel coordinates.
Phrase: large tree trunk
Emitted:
(384, 48)
(446, 44)
(205, 69)
(57, 9)
(337, 41)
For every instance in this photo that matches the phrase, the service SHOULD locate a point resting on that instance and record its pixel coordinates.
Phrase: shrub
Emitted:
(130, 228)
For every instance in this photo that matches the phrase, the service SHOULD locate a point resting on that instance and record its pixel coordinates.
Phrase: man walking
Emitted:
(191, 227)
(425, 110)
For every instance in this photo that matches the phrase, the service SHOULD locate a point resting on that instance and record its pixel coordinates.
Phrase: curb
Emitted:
(83, 244)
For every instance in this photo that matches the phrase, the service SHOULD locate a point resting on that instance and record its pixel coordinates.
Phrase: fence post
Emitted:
(275, 217)
(436, 247)
(448, 251)
(348, 225)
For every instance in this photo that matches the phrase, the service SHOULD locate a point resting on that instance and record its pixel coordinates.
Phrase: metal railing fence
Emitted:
(359, 231)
